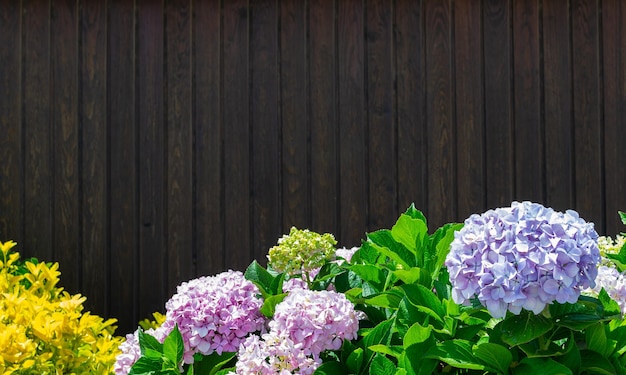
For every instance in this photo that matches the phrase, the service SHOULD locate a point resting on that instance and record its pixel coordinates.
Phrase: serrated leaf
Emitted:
(390, 350)
(495, 356)
(415, 213)
(520, 329)
(146, 341)
(456, 353)
(442, 248)
(416, 334)
(541, 366)
(260, 277)
(425, 300)
(622, 216)
(146, 366)
(212, 363)
(269, 304)
(387, 299)
(595, 337)
(330, 368)
(386, 245)
(355, 360)
(370, 273)
(382, 365)
(414, 275)
(409, 232)
(173, 347)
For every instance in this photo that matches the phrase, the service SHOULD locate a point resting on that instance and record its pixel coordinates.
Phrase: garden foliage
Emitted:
(390, 307)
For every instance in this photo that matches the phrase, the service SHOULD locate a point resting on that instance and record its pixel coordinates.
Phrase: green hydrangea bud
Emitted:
(302, 251)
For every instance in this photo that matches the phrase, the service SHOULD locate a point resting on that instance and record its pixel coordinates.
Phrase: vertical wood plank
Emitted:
(440, 115)
(322, 69)
(209, 133)
(153, 281)
(529, 135)
(382, 130)
(38, 164)
(123, 201)
(64, 110)
(235, 105)
(11, 183)
(614, 68)
(180, 262)
(588, 136)
(411, 102)
(294, 121)
(352, 135)
(468, 62)
(499, 143)
(557, 82)
(265, 118)
(93, 172)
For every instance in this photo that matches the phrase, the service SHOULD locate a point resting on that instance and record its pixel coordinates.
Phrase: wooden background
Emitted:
(145, 143)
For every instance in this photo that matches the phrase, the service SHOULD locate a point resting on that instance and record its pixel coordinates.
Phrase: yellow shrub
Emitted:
(43, 329)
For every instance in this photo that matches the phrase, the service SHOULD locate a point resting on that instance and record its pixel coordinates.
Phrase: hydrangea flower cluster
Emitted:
(522, 257)
(131, 352)
(214, 313)
(614, 283)
(301, 251)
(305, 324)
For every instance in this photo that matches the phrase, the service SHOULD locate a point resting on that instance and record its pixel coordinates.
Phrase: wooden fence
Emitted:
(145, 143)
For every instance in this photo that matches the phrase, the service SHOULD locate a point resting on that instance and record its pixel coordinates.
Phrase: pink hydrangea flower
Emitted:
(215, 314)
(131, 352)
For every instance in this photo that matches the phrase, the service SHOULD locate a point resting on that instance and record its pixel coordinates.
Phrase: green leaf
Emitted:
(355, 360)
(173, 347)
(425, 300)
(330, 368)
(519, 329)
(610, 306)
(409, 232)
(260, 277)
(456, 353)
(622, 215)
(543, 366)
(387, 299)
(414, 275)
(390, 350)
(495, 356)
(415, 213)
(416, 334)
(383, 242)
(442, 247)
(382, 365)
(212, 363)
(145, 365)
(269, 304)
(595, 337)
(414, 363)
(370, 273)
(380, 334)
(147, 341)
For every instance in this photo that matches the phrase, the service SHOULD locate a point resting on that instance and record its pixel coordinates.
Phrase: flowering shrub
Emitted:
(523, 256)
(43, 329)
(500, 294)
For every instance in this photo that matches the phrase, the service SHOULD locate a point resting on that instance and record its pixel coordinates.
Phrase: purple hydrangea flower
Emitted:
(522, 257)
(215, 314)
(315, 320)
(614, 283)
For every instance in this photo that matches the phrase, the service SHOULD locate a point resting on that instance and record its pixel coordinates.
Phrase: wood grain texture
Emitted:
(209, 133)
(470, 119)
(323, 109)
(381, 125)
(410, 78)
(557, 88)
(441, 129)
(153, 261)
(499, 145)
(11, 181)
(123, 187)
(64, 123)
(93, 153)
(527, 97)
(265, 118)
(588, 135)
(179, 135)
(236, 120)
(353, 190)
(614, 94)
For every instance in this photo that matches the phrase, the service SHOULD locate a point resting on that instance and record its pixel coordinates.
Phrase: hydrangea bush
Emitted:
(43, 329)
(515, 290)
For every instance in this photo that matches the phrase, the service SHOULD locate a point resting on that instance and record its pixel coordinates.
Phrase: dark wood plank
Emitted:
(411, 102)
(93, 171)
(123, 201)
(180, 263)
(559, 142)
(209, 195)
(236, 123)
(353, 197)
(440, 115)
(323, 115)
(294, 122)
(152, 281)
(64, 122)
(614, 58)
(38, 165)
(11, 183)
(529, 135)
(499, 143)
(588, 140)
(470, 120)
(381, 124)
(266, 183)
